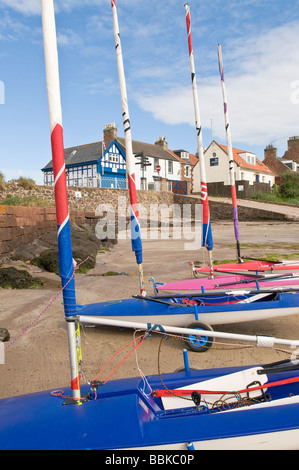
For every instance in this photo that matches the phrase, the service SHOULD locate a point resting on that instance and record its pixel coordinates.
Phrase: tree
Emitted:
(289, 187)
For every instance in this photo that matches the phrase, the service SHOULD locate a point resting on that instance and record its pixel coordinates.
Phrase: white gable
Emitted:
(113, 158)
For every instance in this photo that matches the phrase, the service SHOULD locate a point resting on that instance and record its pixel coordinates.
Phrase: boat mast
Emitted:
(230, 155)
(207, 239)
(135, 219)
(66, 268)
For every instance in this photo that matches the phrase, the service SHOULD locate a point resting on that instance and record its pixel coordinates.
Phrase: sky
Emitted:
(260, 47)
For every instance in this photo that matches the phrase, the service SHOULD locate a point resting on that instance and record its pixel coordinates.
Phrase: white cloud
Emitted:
(259, 88)
(68, 37)
(28, 7)
(33, 7)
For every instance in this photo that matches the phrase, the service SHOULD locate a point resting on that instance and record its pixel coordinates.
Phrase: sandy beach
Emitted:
(39, 360)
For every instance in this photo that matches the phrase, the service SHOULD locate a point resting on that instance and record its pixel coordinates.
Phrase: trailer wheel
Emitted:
(199, 343)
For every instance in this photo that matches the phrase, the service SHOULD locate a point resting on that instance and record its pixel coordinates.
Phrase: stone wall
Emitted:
(224, 211)
(88, 199)
(22, 225)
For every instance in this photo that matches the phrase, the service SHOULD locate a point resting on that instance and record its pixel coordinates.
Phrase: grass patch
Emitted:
(27, 201)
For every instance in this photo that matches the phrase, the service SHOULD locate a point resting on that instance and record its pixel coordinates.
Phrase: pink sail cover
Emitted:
(234, 280)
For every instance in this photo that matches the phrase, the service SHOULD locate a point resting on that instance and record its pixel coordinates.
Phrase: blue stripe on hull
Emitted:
(122, 417)
(137, 307)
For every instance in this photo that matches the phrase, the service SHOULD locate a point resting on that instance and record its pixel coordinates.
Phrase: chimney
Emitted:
(270, 153)
(110, 132)
(161, 141)
(293, 143)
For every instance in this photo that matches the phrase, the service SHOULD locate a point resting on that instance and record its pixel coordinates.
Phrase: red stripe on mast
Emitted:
(188, 20)
(58, 168)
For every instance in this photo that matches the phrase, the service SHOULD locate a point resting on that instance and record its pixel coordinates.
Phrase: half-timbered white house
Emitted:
(103, 164)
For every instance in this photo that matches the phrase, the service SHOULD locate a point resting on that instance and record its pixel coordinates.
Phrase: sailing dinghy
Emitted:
(251, 266)
(241, 265)
(232, 281)
(254, 407)
(200, 311)
(217, 308)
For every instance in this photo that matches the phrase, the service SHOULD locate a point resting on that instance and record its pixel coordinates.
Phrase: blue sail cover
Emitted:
(207, 238)
(136, 238)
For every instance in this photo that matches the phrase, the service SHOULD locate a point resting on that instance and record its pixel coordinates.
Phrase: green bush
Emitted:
(26, 183)
(289, 187)
(2, 181)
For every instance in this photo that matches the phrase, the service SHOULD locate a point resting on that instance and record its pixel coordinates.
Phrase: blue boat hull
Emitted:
(122, 417)
(212, 310)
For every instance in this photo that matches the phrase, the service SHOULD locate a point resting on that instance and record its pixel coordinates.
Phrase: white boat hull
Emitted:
(214, 318)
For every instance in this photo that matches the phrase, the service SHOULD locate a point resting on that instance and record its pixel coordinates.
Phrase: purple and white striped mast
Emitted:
(66, 268)
(207, 238)
(135, 218)
(230, 155)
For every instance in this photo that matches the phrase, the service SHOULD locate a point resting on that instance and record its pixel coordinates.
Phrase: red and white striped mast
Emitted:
(135, 219)
(207, 238)
(66, 268)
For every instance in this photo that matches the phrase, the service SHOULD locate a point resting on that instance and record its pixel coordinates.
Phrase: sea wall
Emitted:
(22, 225)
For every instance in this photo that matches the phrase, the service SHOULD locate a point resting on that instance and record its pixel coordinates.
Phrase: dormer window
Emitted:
(248, 157)
(185, 155)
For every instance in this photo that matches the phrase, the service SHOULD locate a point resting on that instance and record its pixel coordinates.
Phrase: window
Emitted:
(156, 163)
(49, 178)
(170, 167)
(187, 171)
(113, 158)
(185, 155)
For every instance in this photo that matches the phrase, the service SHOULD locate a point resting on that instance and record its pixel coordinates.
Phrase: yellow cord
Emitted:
(77, 341)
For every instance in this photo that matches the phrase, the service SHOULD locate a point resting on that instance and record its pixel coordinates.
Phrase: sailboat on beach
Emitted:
(200, 310)
(229, 408)
(239, 273)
